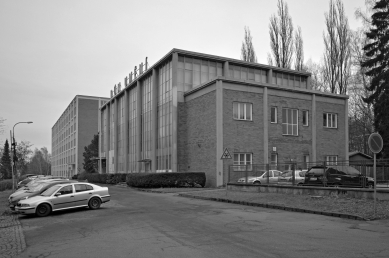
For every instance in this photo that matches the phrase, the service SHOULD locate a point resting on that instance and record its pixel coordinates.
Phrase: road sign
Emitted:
(226, 154)
(375, 142)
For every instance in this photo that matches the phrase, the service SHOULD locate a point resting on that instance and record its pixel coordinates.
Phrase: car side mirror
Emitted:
(57, 194)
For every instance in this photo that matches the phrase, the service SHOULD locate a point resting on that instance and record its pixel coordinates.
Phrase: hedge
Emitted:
(102, 178)
(5, 184)
(157, 180)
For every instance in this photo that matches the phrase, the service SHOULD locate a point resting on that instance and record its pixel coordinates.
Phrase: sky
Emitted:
(51, 50)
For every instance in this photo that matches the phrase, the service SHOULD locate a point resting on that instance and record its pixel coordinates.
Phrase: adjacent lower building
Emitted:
(72, 132)
(185, 111)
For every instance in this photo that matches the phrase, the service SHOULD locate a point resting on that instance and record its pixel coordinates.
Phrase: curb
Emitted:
(279, 207)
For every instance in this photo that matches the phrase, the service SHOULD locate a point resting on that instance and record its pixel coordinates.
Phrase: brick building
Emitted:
(181, 114)
(72, 132)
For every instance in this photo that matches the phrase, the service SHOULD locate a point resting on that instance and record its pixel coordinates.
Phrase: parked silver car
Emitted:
(272, 175)
(287, 177)
(34, 190)
(64, 196)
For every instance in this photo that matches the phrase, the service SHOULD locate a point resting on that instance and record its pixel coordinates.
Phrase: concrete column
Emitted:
(115, 133)
(346, 136)
(138, 125)
(314, 128)
(265, 127)
(108, 137)
(178, 96)
(226, 69)
(154, 120)
(219, 133)
(270, 76)
(125, 132)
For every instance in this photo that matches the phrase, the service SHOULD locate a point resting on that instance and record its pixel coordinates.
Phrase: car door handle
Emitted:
(71, 195)
(90, 193)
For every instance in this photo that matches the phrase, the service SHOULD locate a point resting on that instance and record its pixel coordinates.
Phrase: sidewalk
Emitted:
(12, 241)
(336, 206)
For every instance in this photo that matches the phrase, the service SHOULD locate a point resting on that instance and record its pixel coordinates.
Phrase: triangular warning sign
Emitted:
(226, 154)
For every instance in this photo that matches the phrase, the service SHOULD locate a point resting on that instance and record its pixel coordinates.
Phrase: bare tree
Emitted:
(281, 36)
(337, 56)
(2, 120)
(299, 51)
(316, 70)
(247, 50)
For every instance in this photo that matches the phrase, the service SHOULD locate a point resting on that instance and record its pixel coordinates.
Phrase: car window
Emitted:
(51, 190)
(277, 173)
(66, 190)
(315, 171)
(89, 187)
(80, 188)
(286, 174)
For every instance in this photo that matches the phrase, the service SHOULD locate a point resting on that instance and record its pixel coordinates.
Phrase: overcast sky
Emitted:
(51, 50)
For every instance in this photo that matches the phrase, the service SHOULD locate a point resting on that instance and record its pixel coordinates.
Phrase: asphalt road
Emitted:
(141, 224)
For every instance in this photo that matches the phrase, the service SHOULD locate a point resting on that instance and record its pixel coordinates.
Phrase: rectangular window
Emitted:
(273, 160)
(242, 111)
(243, 161)
(330, 120)
(306, 161)
(273, 115)
(289, 121)
(305, 118)
(331, 160)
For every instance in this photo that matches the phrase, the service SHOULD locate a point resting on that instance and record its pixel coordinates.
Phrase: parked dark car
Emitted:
(345, 176)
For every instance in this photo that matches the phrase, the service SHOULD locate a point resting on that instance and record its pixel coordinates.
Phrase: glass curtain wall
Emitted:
(146, 130)
(131, 145)
(120, 128)
(193, 72)
(165, 118)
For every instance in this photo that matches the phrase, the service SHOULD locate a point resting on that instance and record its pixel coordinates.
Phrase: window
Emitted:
(330, 120)
(241, 160)
(331, 160)
(306, 161)
(273, 160)
(305, 118)
(289, 121)
(273, 115)
(66, 190)
(242, 111)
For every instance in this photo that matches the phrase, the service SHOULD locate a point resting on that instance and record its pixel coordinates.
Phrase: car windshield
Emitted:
(286, 173)
(37, 188)
(51, 190)
(316, 171)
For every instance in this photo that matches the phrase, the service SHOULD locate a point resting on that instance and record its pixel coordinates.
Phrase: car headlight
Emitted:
(25, 205)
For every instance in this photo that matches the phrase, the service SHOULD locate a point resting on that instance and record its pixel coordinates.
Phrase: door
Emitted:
(82, 194)
(274, 174)
(66, 199)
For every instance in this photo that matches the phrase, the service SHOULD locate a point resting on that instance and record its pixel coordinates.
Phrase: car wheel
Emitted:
(94, 203)
(43, 210)
(370, 186)
(336, 185)
(257, 183)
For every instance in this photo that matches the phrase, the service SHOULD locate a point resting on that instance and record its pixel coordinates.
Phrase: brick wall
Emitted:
(242, 136)
(200, 136)
(290, 147)
(330, 141)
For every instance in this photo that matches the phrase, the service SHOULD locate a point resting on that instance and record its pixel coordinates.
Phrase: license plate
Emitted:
(313, 179)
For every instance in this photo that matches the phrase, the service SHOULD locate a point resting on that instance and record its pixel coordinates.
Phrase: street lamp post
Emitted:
(13, 143)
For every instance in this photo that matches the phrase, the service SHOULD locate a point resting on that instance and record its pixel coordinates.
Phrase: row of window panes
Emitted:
(292, 80)
(248, 74)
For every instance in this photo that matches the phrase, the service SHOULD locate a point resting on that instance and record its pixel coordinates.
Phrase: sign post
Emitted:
(375, 143)
(226, 155)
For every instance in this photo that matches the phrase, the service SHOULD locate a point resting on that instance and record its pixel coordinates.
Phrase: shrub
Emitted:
(156, 180)
(102, 178)
(5, 184)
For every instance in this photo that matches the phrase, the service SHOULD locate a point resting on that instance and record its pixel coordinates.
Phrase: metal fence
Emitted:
(352, 173)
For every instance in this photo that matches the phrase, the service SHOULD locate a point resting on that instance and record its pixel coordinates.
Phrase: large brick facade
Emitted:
(190, 98)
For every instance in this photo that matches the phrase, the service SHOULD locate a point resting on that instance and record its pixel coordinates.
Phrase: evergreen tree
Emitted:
(5, 168)
(377, 68)
(90, 154)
